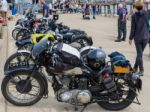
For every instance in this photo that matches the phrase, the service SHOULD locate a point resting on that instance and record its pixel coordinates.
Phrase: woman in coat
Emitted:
(140, 35)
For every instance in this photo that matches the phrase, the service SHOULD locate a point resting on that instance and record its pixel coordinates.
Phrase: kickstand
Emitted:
(138, 102)
(76, 107)
(84, 108)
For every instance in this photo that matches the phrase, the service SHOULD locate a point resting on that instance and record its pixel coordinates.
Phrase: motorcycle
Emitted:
(78, 41)
(23, 56)
(22, 23)
(96, 82)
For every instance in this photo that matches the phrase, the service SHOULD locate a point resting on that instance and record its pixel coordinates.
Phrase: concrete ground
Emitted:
(103, 31)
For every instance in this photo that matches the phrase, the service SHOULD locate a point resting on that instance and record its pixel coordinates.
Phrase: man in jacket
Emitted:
(121, 23)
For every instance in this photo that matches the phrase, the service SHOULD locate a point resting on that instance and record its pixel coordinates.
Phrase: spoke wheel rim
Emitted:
(23, 97)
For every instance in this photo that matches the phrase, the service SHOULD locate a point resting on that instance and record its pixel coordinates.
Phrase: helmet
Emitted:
(96, 59)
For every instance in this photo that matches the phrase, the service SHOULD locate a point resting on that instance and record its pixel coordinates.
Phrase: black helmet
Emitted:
(96, 59)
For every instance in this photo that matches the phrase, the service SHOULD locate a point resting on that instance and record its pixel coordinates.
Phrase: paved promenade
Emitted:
(103, 31)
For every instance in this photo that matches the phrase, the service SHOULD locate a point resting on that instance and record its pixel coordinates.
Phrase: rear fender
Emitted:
(136, 81)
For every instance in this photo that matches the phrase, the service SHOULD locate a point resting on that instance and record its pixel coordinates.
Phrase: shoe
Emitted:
(1, 36)
(141, 73)
(123, 39)
(117, 40)
(135, 70)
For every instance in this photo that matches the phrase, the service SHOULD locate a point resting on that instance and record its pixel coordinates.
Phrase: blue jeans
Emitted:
(122, 29)
(94, 13)
(140, 46)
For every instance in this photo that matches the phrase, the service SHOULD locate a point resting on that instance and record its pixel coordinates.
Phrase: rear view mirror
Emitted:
(55, 17)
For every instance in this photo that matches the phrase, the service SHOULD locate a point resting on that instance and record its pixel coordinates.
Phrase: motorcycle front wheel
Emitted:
(22, 89)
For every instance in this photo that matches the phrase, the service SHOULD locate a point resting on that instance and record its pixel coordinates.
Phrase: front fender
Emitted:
(18, 69)
(20, 43)
(24, 51)
(24, 28)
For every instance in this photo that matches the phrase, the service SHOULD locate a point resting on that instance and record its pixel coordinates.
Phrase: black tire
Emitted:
(7, 95)
(121, 105)
(22, 34)
(14, 33)
(14, 56)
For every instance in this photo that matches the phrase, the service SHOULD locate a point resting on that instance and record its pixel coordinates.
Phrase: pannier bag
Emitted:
(119, 63)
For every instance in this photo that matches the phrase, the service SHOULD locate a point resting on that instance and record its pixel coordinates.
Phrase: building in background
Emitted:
(111, 6)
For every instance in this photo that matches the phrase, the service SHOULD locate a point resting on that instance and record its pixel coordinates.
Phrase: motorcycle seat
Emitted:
(67, 35)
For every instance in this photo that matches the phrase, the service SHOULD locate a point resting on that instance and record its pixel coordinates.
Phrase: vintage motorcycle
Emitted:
(97, 81)
(23, 55)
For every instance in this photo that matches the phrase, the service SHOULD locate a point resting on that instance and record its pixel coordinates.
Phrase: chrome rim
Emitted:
(121, 93)
(25, 94)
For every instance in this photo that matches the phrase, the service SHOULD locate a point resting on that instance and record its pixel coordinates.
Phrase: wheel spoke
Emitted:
(35, 86)
(32, 94)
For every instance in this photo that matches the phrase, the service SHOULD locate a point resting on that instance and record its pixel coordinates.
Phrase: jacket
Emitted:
(139, 26)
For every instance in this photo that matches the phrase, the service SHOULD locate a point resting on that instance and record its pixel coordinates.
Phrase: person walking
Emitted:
(94, 10)
(140, 35)
(121, 23)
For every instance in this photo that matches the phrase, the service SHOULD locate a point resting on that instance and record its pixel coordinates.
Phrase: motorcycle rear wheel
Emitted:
(115, 105)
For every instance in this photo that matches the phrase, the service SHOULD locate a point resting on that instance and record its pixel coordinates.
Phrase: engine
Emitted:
(74, 96)
(79, 90)
(73, 90)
